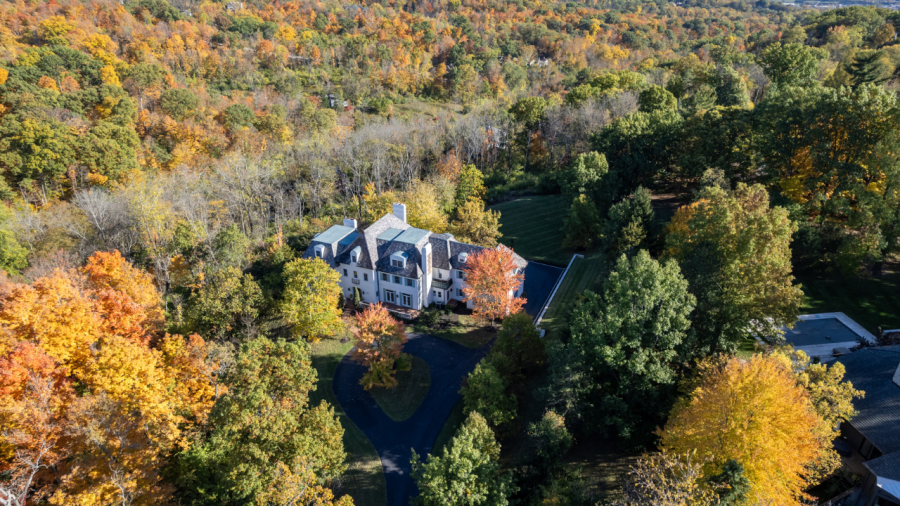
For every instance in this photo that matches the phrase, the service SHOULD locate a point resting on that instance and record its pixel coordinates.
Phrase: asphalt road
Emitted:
(449, 363)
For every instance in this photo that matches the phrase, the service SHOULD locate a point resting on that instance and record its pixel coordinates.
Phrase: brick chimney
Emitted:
(400, 211)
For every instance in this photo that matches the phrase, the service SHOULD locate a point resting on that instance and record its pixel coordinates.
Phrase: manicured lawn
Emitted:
(533, 227)
(871, 302)
(468, 331)
(401, 401)
(364, 478)
(585, 274)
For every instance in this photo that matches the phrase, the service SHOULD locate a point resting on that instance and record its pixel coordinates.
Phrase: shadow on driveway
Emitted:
(449, 363)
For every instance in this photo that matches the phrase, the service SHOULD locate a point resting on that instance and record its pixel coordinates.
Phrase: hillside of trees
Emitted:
(164, 164)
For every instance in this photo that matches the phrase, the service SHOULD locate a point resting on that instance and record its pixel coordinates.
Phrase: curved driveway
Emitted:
(450, 363)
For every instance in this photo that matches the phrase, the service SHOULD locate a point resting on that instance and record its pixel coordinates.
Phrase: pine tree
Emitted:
(867, 68)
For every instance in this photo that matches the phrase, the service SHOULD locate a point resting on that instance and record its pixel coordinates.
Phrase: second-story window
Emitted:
(345, 273)
(397, 279)
(365, 277)
(384, 277)
(410, 282)
(440, 275)
(354, 274)
(460, 275)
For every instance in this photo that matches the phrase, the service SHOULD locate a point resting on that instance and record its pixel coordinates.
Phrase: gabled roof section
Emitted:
(370, 235)
(459, 247)
(335, 241)
(413, 267)
(440, 250)
(872, 370)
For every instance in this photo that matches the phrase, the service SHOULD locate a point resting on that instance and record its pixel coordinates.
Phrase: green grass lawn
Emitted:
(870, 302)
(364, 479)
(401, 401)
(584, 274)
(533, 227)
(468, 331)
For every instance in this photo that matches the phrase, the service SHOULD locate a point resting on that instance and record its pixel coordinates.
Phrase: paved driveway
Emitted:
(539, 281)
(449, 363)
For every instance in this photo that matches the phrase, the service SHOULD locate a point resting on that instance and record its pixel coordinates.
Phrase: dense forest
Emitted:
(165, 164)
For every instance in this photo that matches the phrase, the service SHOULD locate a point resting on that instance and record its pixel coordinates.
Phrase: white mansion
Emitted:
(395, 263)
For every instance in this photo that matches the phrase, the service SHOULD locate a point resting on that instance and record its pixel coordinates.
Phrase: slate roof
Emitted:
(872, 370)
(886, 466)
(389, 235)
(413, 267)
(440, 250)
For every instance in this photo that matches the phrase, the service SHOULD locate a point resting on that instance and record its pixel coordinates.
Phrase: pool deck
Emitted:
(819, 346)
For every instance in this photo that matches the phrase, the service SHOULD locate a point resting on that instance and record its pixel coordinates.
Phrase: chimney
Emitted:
(400, 211)
(350, 223)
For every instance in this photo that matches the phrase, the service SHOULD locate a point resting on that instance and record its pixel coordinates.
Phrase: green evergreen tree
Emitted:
(733, 485)
(868, 68)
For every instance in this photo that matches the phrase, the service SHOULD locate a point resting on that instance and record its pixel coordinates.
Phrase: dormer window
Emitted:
(354, 254)
(462, 257)
(320, 251)
(398, 260)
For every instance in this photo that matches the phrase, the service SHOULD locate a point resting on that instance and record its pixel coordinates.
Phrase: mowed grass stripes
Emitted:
(871, 302)
(532, 226)
(585, 274)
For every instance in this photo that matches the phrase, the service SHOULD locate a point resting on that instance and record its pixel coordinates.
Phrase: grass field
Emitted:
(364, 479)
(584, 274)
(533, 227)
(401, 401)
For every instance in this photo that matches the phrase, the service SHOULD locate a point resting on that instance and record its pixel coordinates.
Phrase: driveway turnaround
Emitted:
(449, 363)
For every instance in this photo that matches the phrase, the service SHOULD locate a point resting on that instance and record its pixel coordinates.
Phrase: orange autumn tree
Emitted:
(492, 279)
(139, 394)
(754, 412)
(379, 344)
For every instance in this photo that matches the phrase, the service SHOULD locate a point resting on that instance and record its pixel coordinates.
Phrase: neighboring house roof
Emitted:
(872, 370)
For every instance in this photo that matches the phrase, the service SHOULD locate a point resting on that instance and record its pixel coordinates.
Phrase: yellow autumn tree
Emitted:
(754, 412)
(311, 297)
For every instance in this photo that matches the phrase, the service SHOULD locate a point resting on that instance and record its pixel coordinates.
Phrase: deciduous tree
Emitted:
(493, 279)
(632, 340)
(264, 420)
(735, 251)
(310, 298)
(476, 225)
(754, 412)
(467, 473)
(379, 345)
